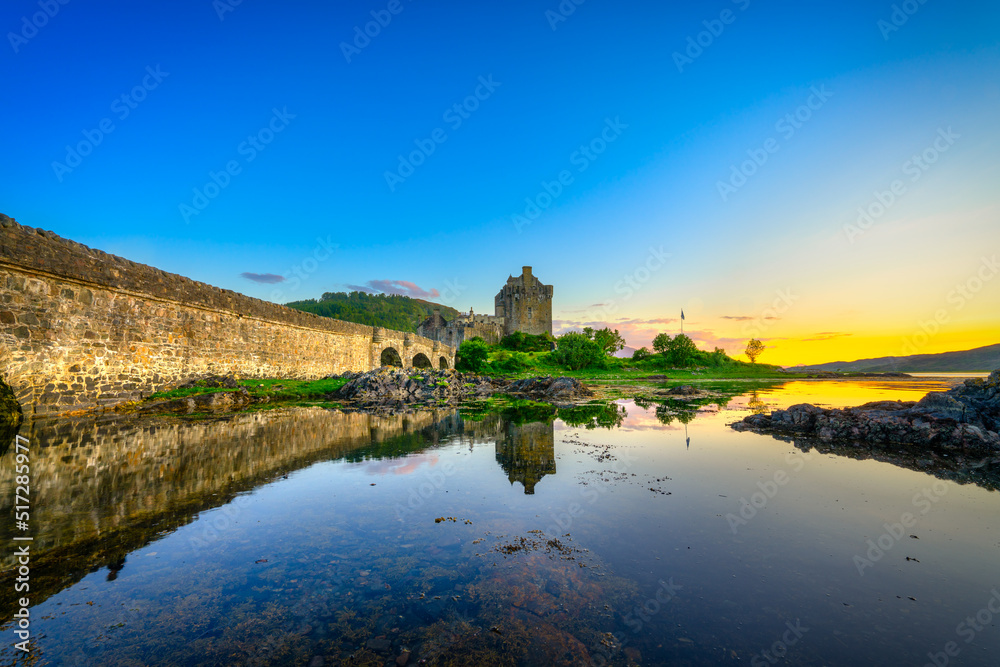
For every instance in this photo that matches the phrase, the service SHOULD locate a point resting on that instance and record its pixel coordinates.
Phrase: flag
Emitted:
(682, 313)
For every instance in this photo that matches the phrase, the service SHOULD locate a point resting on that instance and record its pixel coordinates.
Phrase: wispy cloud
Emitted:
(637, 332)
(266, 278)
(397, 287)
(746, 318)
(827, 335)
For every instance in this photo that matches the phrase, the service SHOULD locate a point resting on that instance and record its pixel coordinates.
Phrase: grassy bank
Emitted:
(270, 389)
(617, 370)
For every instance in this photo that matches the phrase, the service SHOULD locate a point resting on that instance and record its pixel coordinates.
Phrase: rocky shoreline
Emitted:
(966, 419)
(388, 388)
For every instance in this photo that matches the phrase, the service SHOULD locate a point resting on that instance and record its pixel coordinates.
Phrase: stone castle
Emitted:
(523, 304)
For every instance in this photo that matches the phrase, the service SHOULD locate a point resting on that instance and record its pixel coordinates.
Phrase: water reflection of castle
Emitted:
(527, 453)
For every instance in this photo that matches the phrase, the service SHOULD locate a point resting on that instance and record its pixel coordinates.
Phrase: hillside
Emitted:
(979, 359)
(401, 313)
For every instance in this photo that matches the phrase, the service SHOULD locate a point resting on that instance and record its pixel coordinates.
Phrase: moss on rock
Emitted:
(10, 415)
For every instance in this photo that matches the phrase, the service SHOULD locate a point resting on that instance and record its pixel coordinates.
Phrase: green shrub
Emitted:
(472, 355)
(575, 351)
(509, 362)
(523, 342)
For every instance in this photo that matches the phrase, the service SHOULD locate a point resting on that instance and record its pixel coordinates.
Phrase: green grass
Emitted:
(627, 371)
(273, 389)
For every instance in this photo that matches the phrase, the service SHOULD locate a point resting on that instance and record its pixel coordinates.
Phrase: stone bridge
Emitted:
(80, 328)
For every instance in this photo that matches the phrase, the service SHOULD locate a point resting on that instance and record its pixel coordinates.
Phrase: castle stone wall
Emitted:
(81, 328)
(525, 304)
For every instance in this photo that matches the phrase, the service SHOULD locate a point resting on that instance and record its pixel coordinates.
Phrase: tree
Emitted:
(472, 355)
(754, 349)
(575, 351)
(609, 341)
(718, 357)
(681, 350)
(640, 354)
(661, 343)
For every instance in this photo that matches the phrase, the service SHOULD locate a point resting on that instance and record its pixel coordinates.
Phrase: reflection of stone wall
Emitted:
(102, 488)
(92, 476)
(527, 453)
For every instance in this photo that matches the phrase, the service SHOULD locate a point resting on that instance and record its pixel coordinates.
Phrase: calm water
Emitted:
(307, 536)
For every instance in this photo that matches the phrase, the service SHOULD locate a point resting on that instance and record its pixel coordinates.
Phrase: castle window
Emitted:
(529, 312)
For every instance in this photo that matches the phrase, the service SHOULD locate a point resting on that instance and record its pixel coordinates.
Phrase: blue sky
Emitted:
(329, 127)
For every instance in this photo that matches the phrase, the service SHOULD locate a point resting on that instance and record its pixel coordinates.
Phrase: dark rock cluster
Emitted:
(560, 390)
(966, 417)
(213, 382)
(683, 390)
(221, 401)
(389, 385)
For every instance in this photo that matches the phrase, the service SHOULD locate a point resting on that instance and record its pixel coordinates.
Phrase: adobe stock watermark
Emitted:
(37, 21)
(122, 106)
(581, 158)
(223, 7)
(915, 168)
(302, 271)
(249, 149)
(642, 274)
(219, 523)
(590, 494)
(452, 290)
(901, 13)
(454, 116)
(630, 284)
(782, 302)
(714, 28)
(967, 630)
(779, 649)
(963, 293)
(602, 651)
(562, 13)
(381, 18)
(786, 126)
(768, 491)
(893, 533)
(419, 494)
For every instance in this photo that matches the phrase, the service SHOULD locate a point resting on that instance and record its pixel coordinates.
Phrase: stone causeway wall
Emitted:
(81, 328)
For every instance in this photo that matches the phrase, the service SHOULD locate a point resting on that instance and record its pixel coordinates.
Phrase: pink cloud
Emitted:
(397, 287)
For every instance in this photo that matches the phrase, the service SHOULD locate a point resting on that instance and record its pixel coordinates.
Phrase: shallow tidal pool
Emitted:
(307, 536)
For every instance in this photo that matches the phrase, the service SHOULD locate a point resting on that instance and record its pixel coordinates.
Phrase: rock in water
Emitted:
(683, 390)
(966, 417)
(554, 390)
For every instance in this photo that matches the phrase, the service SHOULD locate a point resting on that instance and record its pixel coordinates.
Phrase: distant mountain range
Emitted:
(401, 313)
(980, 359)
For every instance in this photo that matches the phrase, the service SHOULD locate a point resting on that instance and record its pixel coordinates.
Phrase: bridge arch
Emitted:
(420, 360)
(443, 363)
(390, 357)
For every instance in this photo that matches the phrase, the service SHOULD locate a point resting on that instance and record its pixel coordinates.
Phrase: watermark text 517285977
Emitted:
(22, 548)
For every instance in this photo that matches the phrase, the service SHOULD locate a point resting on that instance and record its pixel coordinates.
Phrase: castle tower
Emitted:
(525, 304)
